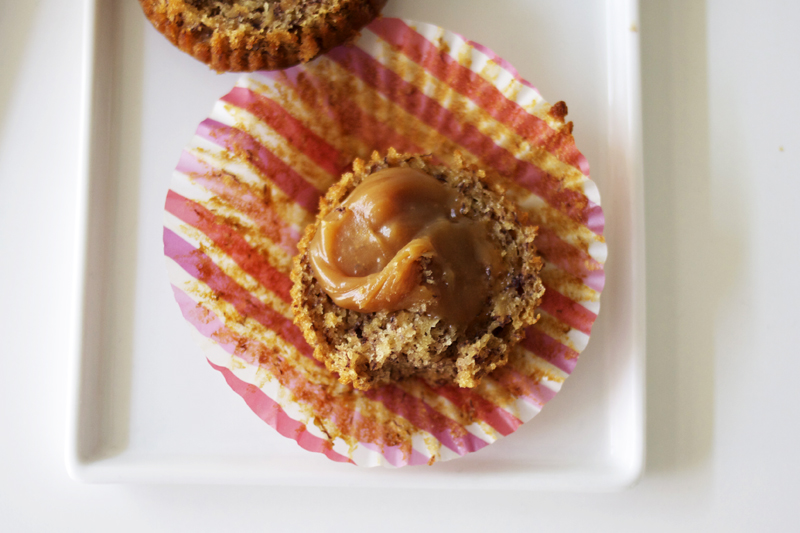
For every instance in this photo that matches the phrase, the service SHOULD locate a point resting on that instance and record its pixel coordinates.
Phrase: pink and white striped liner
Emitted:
(250, 180)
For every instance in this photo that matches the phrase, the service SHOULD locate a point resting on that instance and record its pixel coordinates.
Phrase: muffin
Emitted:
(250, 181)
(414, 269)
(249, 35)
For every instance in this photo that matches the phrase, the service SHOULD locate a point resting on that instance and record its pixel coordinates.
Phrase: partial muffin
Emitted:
(414, 269)
(249, 35)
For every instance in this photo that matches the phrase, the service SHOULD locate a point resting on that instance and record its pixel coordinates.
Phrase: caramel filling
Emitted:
(399, 241)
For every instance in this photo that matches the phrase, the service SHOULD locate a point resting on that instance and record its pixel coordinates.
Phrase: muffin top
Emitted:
(413, 269)
(249, 35)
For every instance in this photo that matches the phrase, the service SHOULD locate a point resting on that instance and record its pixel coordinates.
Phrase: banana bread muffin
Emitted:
(248, 35)
(413, 269)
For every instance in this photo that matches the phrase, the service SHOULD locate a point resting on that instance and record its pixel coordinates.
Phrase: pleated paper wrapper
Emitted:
(251, 179)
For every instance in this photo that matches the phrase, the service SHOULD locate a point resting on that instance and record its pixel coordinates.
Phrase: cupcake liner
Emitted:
(250, 181)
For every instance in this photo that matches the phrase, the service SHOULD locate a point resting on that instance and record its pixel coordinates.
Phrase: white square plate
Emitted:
(145, 404)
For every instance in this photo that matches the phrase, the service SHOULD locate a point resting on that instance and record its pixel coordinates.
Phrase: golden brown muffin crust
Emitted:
(249, 35)
(367, 349)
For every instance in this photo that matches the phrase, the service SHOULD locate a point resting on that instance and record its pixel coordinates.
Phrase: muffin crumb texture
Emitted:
(371, 348)
(249, 35)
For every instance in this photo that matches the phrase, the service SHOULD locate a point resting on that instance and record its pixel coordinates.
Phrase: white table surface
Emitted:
(721, 140)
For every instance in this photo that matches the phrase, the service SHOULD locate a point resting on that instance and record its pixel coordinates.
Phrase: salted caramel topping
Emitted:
(399, 241)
